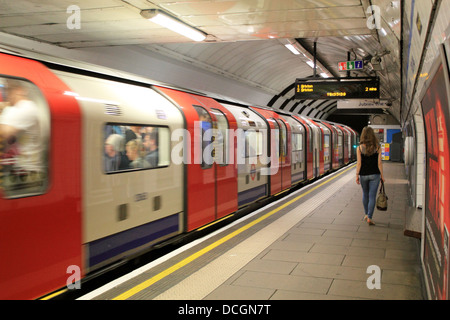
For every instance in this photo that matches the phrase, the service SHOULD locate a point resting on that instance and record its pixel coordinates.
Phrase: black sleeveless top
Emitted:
(369, 164)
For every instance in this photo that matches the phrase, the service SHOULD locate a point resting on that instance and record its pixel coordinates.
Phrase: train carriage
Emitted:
(252, 160)
(127, 119)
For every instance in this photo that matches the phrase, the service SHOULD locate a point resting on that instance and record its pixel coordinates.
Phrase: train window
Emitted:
(253, 143)
(206, 137)
(221, 138)
(283, 138)
(297, 141)
(24, 139)
(135, 147)
(326, 143)
(340, 140)
(319, 135)
(326, 146)
(275, 138)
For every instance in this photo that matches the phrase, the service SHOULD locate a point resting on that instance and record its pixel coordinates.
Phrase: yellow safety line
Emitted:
(131, 292)
(214, 222)
(51, 296)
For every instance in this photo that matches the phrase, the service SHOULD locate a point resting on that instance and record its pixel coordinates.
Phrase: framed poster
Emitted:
(436, 113)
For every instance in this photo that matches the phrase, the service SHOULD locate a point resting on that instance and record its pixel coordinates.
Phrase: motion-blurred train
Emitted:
(113, 165)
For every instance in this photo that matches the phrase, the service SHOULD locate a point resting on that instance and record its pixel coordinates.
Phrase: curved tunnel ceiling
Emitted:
(270, 66)
(245, 38)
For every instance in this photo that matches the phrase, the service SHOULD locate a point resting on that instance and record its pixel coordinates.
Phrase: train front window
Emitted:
(24, 139)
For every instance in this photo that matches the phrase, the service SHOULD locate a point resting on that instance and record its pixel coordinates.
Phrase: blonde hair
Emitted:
(136, 145)
(370, 140)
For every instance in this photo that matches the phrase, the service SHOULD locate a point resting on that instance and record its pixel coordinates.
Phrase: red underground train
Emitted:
(97, 167)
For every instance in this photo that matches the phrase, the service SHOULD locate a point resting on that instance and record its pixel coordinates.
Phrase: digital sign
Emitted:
(307, 89)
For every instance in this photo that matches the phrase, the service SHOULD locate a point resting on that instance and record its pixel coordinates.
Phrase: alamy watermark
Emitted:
(74, 20)
(374, 20)
(74, 280)
(374, 281)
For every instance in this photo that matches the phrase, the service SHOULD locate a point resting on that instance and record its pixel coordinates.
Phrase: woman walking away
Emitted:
(369, 170)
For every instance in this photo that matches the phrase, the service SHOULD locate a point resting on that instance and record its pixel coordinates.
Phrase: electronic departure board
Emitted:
(307, 89)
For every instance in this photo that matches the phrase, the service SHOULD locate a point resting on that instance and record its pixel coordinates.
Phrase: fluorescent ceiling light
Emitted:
(173, 24)
(292, 48)
(324, 75)
(310, 63)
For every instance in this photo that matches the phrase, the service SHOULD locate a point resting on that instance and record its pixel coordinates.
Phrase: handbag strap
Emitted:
(382, 191)
(382, 187)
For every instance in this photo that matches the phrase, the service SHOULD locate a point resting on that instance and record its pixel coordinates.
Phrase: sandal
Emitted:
(370, 222)
(366, 217)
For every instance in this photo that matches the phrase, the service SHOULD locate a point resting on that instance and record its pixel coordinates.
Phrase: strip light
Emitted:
(310, 63)
(292, 49)
(165, 20)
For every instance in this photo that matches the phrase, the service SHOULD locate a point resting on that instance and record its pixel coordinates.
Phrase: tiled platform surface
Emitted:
(327, 254)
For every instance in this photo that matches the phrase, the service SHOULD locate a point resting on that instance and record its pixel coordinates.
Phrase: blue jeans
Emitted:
(370, 185)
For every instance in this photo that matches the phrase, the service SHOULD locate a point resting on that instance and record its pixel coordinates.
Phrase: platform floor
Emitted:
(312, 245)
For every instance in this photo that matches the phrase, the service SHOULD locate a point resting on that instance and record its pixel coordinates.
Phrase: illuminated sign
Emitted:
(351, 65)
(363, 104)
(307, 89)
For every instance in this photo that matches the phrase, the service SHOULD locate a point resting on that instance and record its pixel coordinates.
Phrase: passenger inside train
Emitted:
(150, 141)
(22, 130)
(115, 158)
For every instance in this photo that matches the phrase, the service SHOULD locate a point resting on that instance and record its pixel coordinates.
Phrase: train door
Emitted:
(224, 125)
(285, 154)
(320, 160)
(274, 149)
(340, 145)
(349, 143)
(316, 147)
(326, 146)
(345, 143)
(352, 144)
(203, 195)
(309, 150)
(276, 172)
(298, 142)
(334, 153)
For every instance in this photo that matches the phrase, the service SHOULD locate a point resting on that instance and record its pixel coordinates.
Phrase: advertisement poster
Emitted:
(385, 151)
(435, 107)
